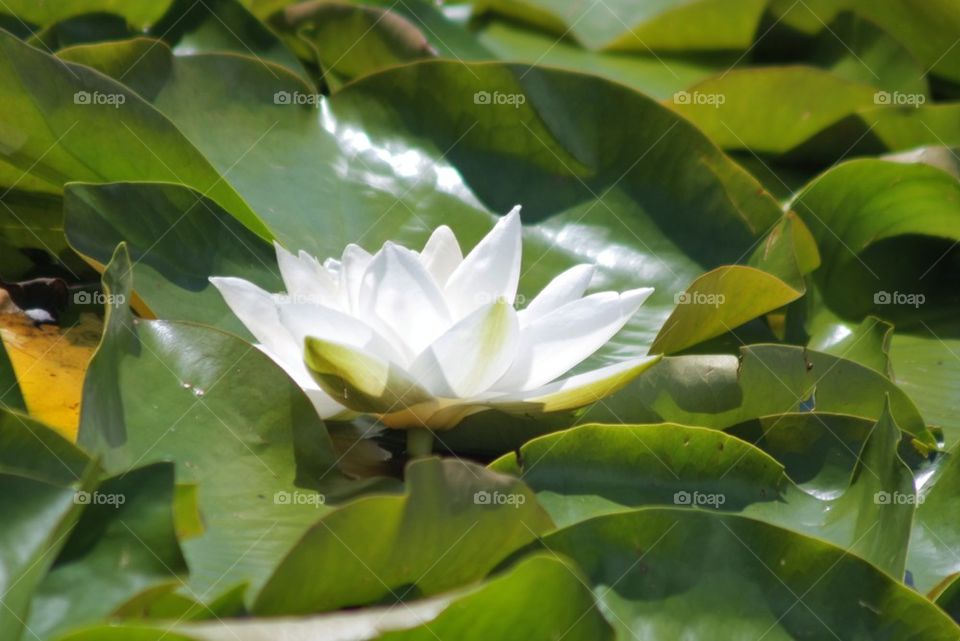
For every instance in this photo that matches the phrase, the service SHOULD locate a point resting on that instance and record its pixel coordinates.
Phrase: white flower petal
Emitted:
(257, 310)
(471, 355)
(332, 266)
(551, 345)
(305, 279)
(441, 255)
(305, 319)
(401, 300)
(325, 405)
(567, 287)
(491, 271)
(353, 265)
(576, 391)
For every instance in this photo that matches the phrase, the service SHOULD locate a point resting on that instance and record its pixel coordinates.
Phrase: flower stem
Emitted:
(419, 442)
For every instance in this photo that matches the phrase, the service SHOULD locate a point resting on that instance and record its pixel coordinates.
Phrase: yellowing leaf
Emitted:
(50, 363)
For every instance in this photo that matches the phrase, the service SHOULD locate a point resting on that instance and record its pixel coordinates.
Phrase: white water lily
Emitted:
(424, 339)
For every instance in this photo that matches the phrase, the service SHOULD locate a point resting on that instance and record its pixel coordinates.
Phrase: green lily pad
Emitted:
(921, 356)
(928, 31)
(31, 449)
(649, 571)
(75, 547)
(856, 49)
(598, 469)
(926, 368)
(222, 25)
(721, 391)
(37, 517)
(69, 143)
(138, 13)
(180, 239)
(659, 75)
(829, 117)
(948, 597)
(932, 557)
(624, 25)
(231, 421)
(40, 475)
(547, 584)
(743, 292)
(867, 344)
(863, 204)
(595, 469)
(744, 108)
(819, 450)
(80, 29)
(861, 213)
(123, 542)
(454, 524)
(351, 40)
(32, 220)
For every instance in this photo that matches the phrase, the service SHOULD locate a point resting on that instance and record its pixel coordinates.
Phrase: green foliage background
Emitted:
(784, 173)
